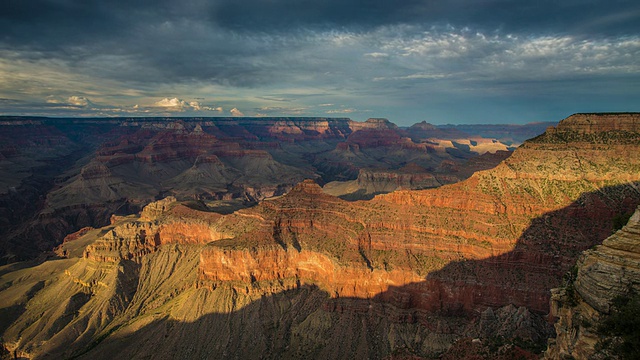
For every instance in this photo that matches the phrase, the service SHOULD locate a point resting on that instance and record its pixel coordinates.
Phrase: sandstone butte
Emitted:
(309, 275)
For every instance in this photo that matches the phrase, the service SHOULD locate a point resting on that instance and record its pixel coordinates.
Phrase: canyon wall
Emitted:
(308, 274)
(60, 175)
(601, 274)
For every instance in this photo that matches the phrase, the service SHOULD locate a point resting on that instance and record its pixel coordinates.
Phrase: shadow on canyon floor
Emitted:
(306, 323)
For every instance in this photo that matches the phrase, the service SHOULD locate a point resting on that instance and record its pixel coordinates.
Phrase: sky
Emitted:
(457, 61)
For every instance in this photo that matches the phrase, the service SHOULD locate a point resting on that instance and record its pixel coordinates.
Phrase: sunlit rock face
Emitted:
(601, 123)
(60, 175)
(309, 274)
(505, 236)
(530, 213)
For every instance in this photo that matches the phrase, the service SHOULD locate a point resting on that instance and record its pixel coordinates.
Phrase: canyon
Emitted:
(601, 274)
(301, 273)
(60, 175)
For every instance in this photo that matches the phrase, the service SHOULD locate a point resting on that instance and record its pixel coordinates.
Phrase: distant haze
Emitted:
(451, 62)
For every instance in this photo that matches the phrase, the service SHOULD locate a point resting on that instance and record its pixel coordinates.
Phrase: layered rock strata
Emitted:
(308, 274)
(601, 274)
(66, 174)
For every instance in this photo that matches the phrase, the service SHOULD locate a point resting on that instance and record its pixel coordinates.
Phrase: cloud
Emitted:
(376, 55)
(402, 59)
(176, 104)
(73, 101)
(278, 110)
(53, 100)
(196, 106)
(173, 104)
(510, 16)
(341, 111)
(417, 76)
(79, 101)
(236, 112)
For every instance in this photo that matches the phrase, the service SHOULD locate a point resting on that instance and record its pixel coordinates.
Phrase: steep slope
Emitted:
(60, 175)
(602, 273)
(508, 134)
(532, 215)
(378, 157)
(34, 157)
(308, 274)
(371, 182)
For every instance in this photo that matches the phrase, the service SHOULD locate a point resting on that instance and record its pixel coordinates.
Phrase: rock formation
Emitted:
(509, 134)
(308, 274)
(602, 273)
(60, 175)
(371, 182)
(586, 124)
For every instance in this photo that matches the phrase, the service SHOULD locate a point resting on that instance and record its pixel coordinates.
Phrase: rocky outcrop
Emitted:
(371, 182)
(456, 142)
(599, 123)
(128, 163)
(376, 133)
(161, 222)
(521, 223)
(309, 274)
(601, 274)
(508, 134)
(410, 177)
(503, 237)
(530, 213)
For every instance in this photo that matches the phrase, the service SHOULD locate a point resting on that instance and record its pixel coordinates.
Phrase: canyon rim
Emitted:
(300, 273)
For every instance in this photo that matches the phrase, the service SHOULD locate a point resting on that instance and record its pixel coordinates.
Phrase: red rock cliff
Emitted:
(505, 236)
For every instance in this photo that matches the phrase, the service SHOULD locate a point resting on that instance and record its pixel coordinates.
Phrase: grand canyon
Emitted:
(314, 237)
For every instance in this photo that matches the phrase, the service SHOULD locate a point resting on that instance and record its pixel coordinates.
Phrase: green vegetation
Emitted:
(603, 137)
(620, 329)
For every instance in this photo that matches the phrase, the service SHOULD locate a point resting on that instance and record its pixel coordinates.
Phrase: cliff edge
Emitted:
(601, 274)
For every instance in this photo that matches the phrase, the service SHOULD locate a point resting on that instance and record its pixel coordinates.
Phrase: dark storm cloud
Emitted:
(403, 59)
(148, 41)
(48, 24)
(551, 16)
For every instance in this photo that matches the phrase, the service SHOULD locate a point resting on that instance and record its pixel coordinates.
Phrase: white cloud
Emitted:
(199, 107)
(236, 112)
(376, 55)
(78, 101)
(390, 69)
(279, 110)
(418, 76)
(172, 104)
(53, 100)
(175, 104)
(341, 111)
(70, 102)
